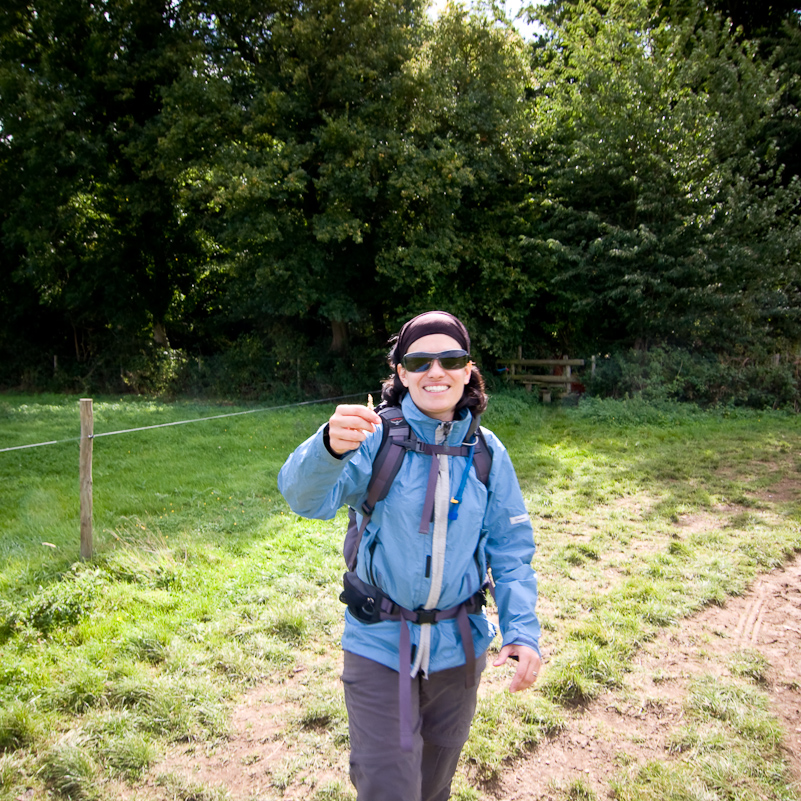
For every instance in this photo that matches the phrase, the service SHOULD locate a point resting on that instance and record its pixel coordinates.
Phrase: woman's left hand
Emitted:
(528, 665)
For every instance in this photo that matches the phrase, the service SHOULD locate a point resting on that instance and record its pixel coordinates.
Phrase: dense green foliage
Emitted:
(662, 218)
(230, 196)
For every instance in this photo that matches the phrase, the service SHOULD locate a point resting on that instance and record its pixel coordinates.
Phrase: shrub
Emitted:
(756, 380)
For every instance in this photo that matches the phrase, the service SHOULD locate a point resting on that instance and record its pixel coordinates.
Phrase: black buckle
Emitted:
(479, 602)
(426, 616)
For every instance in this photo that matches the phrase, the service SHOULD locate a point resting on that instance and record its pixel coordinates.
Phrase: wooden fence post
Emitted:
(87, 432)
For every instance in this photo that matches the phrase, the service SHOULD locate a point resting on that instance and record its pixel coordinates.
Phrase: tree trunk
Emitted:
(339, 336)
(160, 335)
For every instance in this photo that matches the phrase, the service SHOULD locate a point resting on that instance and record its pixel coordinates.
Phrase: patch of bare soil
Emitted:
(257, 761)
(620, 730)
(633, 726)
(784, 490)
(242, 764)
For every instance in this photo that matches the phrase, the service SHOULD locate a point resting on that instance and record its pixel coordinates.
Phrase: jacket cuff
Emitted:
(533, 644)
(340, 457)
(327, 443)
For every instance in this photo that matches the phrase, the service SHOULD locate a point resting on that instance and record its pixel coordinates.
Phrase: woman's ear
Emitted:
(402, 375)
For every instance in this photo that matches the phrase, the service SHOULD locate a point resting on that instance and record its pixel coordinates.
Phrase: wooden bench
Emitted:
(560, 378)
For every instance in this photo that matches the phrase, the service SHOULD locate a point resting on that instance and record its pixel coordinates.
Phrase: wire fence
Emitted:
(185, 422)
(88, 436)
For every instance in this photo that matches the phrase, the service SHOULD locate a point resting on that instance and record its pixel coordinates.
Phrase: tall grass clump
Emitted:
(583, 671)
(21, 725)
(749, 664)
(70, 770)
(128, 756)
(577, 790)
(506, 725)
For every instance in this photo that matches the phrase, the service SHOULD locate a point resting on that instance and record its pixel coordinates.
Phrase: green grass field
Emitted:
(204, 584)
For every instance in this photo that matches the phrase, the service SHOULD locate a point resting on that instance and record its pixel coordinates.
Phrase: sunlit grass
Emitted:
(204, 583)
(506, 725)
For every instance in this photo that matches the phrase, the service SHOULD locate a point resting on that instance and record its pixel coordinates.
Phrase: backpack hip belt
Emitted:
(370, 604)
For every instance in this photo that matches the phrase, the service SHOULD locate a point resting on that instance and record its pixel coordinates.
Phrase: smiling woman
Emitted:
(416, 635)
(435, 390)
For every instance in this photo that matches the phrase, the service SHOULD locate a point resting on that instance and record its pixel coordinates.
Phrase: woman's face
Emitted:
(436, 391)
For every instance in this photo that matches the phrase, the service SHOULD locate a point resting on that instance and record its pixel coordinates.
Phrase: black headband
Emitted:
(433, 322)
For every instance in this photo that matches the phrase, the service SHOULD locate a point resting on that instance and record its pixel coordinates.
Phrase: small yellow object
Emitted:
(370, 402)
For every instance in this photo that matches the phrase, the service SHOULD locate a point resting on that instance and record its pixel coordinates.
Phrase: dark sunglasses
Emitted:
(449, 359)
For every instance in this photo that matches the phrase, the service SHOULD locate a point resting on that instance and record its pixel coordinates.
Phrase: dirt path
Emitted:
(626, 728)
(633, 726)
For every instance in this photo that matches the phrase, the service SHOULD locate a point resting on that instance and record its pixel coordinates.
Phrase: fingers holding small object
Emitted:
(349, 426)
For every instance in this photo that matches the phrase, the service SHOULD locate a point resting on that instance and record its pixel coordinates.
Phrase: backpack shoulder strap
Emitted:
(387, 462)
(396, 438)
(396, 430)
(482, 458)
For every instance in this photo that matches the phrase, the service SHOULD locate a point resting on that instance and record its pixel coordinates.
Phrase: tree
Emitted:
(774, 28)
(92, 218)
(662, 214)
(378, 169)
(457, 193)
(298, 193)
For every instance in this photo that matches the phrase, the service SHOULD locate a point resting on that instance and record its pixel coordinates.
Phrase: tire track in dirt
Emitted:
(746, 634)
(627, 728)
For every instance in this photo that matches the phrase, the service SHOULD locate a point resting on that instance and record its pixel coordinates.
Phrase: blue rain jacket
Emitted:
(493, 529)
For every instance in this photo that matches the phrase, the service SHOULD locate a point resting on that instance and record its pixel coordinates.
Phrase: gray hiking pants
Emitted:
(442, 710)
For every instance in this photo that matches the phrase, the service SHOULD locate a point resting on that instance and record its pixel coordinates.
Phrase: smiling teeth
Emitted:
(436, 389)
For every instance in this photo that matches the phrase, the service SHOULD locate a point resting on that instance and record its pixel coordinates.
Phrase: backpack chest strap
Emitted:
(431, 485)
(426, 447)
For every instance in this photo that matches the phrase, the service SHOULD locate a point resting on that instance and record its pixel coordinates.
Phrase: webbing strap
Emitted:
(358, 596)
(383, 476)
(405, 688)
(405, 659)
(467, 646)
(428, 505)
(400, 439)
(433, 451)
(430, 448)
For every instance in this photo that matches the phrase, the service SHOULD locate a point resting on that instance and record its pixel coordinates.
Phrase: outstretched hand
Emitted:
(349, 426)
(528, 665)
